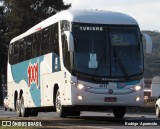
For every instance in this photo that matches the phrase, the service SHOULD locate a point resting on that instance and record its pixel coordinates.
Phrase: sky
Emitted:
(146, 12)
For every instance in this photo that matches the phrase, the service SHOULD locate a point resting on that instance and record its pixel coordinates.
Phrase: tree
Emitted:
(3, 50)
(23, 14)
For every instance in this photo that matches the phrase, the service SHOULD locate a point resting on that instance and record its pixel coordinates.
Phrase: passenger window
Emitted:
(45, 41)
(66, 53)
(54, 39)
(22, 50)
(16, 52)
(36, 44)
(11, 50)
(28, 54)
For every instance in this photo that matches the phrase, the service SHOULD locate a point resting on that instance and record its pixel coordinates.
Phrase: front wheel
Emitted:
(119, 112)
(61, 110)
(157, 112)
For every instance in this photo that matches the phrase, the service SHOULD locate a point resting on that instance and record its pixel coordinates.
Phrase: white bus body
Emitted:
(85, 77)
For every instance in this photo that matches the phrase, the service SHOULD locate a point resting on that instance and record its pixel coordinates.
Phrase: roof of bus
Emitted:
(82, 16)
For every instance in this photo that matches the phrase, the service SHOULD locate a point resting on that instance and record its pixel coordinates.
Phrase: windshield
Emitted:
(106, 51)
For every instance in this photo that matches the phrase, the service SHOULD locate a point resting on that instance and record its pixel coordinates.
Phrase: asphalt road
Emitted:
(87, 120)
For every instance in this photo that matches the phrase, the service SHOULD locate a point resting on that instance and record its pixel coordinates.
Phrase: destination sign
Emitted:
(91, 28)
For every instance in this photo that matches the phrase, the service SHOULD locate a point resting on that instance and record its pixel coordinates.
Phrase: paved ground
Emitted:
(87, 120)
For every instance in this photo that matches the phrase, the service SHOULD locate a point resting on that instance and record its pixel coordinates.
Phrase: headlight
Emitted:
(137, 88)
(83, 87)
(80, 86)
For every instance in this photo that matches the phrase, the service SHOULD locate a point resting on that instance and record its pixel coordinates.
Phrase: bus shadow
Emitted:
(110, 120)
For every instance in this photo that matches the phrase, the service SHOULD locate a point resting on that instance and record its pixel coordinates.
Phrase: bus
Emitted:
(77, 60)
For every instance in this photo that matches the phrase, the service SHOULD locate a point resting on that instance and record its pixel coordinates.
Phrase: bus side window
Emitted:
(28, 54)
(54, 44)
(36, 44)
(66, 53)
(16, 53)
(11, 50)
(22, 50)
(65, 25)
(45, 41)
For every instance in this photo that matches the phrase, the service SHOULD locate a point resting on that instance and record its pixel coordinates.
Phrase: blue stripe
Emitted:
(20, 72)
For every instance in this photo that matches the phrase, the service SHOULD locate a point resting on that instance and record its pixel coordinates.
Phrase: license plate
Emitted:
(110, 99)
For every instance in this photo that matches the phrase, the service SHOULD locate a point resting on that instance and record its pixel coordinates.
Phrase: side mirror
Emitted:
(148, 42)
(70, 41)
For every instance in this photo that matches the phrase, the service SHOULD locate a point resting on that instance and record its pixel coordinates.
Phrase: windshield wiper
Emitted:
(120, 64)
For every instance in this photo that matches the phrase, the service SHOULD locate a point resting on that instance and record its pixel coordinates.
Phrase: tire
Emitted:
(119, 112)
(157, 112)
(18, 108)
(61, 110)
(24, 111)
(5, 109)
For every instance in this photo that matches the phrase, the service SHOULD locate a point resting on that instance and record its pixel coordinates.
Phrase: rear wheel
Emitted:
(24, 111)
(5, 109)
(119, 112)
(18, 109)
(157, 112)
(61, 110)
